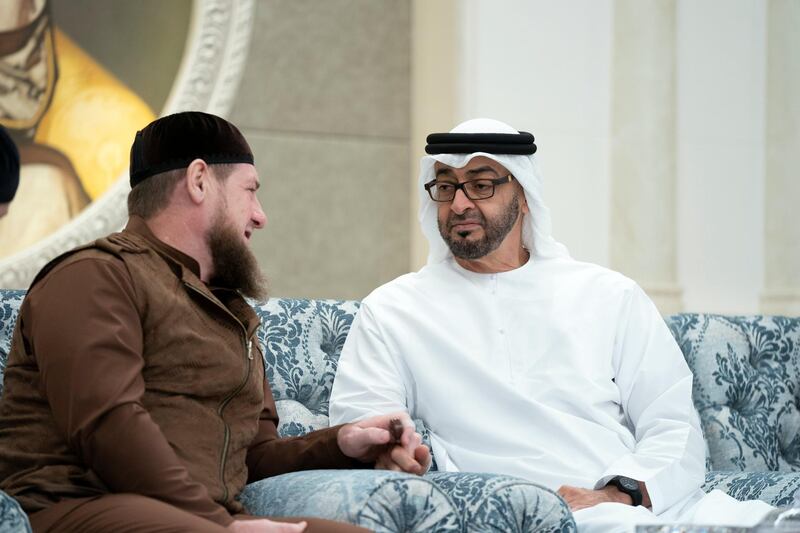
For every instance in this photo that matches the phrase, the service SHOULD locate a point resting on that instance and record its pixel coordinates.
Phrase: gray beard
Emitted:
(235, 266)
(494, 231)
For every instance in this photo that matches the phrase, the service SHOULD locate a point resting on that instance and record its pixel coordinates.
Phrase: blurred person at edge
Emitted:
(9, 171)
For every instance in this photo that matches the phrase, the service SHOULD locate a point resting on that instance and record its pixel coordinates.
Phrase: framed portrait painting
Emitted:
(78, 78)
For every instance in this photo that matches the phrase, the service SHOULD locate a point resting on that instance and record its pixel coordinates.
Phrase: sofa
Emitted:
(746, 391)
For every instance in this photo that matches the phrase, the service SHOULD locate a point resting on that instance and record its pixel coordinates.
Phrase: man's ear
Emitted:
(198, 180)
(523, 204)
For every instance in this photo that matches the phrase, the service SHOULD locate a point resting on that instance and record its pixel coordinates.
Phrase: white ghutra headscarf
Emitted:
(536, 227)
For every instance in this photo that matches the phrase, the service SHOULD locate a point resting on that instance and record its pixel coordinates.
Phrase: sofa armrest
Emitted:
(493, 502)
(12, 518)
(379, 500)
(775, 488)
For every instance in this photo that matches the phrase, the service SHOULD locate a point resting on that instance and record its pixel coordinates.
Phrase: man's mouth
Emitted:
(247, 234)
(465, 226)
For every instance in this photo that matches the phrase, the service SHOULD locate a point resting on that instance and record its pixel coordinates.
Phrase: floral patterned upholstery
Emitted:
(505, 504)
(302, 340)
(378, 500)
(12, 517)
(777, 488)
(746, 378)
(747, 374)
(10, 301)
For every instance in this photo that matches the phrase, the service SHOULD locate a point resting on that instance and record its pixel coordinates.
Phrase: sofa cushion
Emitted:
(9, 309)
(747, 371)
(489, 502)
(378, 500)
(390, 501)
(301, 341)
(775, 488)
(12, 518)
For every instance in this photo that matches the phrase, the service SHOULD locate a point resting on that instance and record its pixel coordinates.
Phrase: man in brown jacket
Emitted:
(135, 395)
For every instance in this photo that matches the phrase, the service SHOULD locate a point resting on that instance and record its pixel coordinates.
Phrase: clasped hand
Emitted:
(371, 440)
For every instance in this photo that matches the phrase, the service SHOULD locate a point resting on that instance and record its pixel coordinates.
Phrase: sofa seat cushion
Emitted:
(775, 488)
(378, 500)
(490, 502)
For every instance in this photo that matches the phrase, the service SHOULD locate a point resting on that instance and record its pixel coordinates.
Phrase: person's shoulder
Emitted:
(84, 265)
(407, 287)
(391, 289)
(596, 275)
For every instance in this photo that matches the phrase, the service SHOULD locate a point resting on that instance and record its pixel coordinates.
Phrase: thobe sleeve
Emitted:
(369, 381)
(83, 327)
(655, 387)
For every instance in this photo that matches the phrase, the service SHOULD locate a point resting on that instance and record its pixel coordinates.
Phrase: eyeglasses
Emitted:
(445, 191)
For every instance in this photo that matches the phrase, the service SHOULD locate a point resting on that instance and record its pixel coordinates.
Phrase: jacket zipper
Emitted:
(247, 344)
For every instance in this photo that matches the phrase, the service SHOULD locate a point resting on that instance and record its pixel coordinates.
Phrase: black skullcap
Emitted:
(9, 167)
(174, 141)
(492, 143)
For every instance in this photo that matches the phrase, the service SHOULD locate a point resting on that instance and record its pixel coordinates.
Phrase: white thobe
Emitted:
(560, 372)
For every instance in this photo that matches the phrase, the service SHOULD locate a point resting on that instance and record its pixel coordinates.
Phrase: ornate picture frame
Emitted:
(207, 80)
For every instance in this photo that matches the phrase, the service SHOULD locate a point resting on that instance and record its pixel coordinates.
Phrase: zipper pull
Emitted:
(250, 349)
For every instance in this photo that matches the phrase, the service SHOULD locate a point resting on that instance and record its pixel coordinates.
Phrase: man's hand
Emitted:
(370, 440)
(397, 457)
(262, 525)
(578, 498)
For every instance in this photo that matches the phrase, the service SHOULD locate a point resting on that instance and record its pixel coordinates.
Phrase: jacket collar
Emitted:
(137, 225)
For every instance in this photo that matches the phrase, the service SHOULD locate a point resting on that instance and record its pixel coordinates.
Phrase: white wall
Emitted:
(545, 67)
(721, 83)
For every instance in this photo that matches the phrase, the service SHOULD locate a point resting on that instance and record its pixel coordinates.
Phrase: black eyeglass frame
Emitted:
(495, 182)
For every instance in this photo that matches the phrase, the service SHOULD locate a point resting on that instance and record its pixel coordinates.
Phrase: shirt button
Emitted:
(501, 331)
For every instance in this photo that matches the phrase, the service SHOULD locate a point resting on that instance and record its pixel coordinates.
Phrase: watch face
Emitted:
(628, 484)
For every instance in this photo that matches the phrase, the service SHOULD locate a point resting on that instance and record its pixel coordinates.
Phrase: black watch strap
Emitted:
(628, 486)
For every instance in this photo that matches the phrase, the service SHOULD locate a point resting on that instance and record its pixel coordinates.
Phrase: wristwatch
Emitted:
(628, 486)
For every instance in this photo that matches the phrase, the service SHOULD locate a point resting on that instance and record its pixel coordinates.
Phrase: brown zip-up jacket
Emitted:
(128, 374)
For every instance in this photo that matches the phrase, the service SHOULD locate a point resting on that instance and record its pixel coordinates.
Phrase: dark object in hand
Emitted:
(395, 430)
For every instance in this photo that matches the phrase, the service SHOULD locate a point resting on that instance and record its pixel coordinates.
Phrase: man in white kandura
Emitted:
(523, 361)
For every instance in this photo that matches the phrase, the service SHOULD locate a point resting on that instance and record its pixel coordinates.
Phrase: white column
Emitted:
(782, 196)
(643, 148)
(435, 75)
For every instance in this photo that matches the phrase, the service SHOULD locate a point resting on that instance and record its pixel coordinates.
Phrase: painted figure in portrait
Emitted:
(72, 120)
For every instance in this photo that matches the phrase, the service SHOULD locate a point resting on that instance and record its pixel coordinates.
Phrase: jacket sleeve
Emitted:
(84, 330)
(655, 386)
(270, 455)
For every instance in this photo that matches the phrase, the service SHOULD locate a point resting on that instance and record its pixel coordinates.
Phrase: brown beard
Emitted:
(235, 266)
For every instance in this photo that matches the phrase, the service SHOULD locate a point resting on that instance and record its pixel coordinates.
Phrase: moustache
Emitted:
(469, 216)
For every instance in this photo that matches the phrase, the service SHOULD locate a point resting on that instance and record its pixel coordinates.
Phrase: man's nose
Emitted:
(460, 202)
(259, 217)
